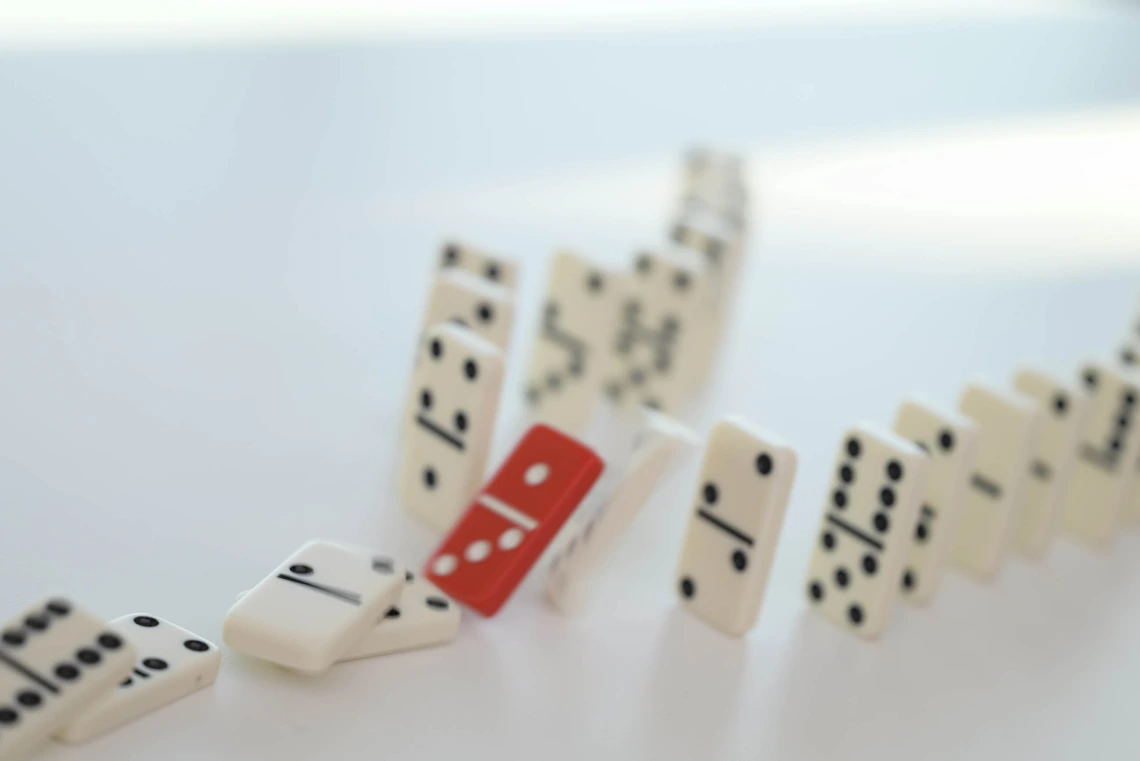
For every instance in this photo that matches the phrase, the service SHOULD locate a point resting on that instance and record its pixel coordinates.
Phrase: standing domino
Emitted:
(1007, 428)
(869, 516)
(55, 659)
(506, 528)
(494, 269)
(580, 559)
(462, 298)
(742, 492)
(951, 442)
(174, 663)
(310, 610)
(568, 362)
(1063, 410)
(1105, 470)
(449, 420)
(661, 327)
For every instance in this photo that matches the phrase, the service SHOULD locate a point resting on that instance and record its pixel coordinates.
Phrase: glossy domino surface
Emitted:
(738, 509)
(514, 517)
(55, 659)
(311, 608)
(172, 664)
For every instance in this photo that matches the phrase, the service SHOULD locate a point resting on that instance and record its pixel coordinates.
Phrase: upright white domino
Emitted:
(449, 419)
(868, 519)
(55, 659)
(570, 354)
(662, 324)
(173, 663)
(308, 611)
(423, 617)
(1063, 412)
(494, 269)
(1105, 471)
(581, 557)
(1007, 427)
(462, 298)
(711, 235)
(951, 442)
(738, 509)
(721, 249)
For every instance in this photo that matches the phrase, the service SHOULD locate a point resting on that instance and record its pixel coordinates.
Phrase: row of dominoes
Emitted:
(1008, 468)
(66, 674)
(641, 338)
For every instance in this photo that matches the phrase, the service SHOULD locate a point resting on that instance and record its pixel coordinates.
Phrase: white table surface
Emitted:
(195, 385)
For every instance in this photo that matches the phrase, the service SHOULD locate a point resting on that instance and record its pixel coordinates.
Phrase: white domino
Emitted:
(737, 510)
(449, 418)
(1008, 425)
(950, 440)
(869, 517)
(711, 236)
(423, 617)
(579, 561)
(662, 331)
(55, 659)
(1104, 475)
(172, 664)
(464, 299)
(309, 610)
(494, 269)
(570, 353)
(1063, 416)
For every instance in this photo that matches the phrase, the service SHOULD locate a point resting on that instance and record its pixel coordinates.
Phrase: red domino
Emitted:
(509, 524)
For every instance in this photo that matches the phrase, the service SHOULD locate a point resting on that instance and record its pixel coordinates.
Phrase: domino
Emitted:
(494, 269)
(660, 330)
(715, 182)
(581, 558)
(309, 610)
(55, 659)
(462, 298)
(1105, 470)
(872, 510)
(704, 164)
(711, 235)
(1007, 427)
(738, 508)
(950, 441)
(721, 251)
(174, 663)
(449, 420)
(490, 550)
(1063, 409)
(568, 361)
(423, 617)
